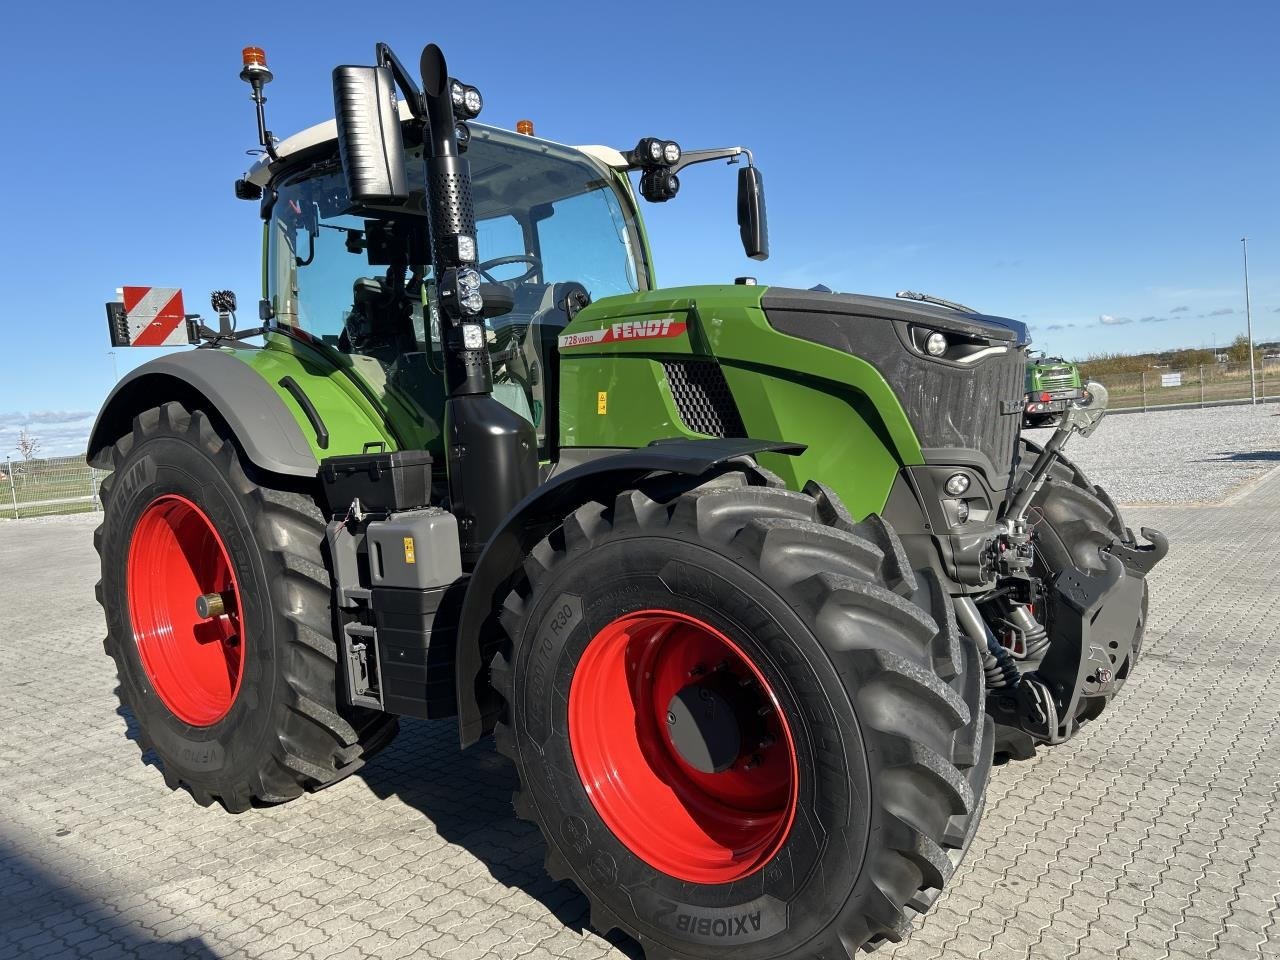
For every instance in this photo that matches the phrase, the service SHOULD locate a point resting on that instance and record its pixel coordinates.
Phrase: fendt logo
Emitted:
(642, 329)
(658, 329)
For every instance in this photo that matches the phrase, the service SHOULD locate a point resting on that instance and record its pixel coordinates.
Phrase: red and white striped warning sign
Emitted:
(154, 316)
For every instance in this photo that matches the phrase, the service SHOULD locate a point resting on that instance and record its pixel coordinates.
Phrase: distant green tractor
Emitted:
(738, 576)
(1053, 384)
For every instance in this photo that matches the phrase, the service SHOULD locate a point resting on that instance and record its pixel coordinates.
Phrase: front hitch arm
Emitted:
(1080, 417)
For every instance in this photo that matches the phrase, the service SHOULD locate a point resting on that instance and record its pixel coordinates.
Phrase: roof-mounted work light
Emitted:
(466, 99)
(655, 158)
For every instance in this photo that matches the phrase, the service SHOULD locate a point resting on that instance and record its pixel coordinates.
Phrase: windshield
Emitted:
(553, 215)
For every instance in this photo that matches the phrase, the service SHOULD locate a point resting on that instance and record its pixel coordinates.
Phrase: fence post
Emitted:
(13, 490)
(1144, 391)
(1202, 386)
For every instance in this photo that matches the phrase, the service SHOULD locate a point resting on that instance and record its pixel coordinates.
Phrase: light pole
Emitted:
(1248, 322)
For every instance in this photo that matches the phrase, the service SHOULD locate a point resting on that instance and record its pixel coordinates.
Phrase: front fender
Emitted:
(531, 519)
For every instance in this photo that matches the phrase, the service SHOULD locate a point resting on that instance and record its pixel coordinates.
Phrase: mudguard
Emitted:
(221, 385)
(531, 519)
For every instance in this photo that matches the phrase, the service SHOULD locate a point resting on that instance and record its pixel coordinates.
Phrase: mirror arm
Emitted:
(731, 154)
(404, 80)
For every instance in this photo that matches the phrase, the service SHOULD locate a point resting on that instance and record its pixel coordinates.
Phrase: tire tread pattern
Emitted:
(316, 741)
(932, 772)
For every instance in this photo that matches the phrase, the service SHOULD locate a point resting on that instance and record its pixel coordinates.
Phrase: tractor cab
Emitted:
(557, 227)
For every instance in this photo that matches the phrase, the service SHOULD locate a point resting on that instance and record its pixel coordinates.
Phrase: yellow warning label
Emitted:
(602, 402)
(408, 550)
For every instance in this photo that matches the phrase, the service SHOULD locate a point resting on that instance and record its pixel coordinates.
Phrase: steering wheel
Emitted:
(535, 266)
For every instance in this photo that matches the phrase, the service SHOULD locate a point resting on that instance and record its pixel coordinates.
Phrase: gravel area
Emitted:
(1178, 456)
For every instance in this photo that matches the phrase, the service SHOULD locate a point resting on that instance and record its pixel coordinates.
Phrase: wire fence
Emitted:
(1201, 386)
(54, 485)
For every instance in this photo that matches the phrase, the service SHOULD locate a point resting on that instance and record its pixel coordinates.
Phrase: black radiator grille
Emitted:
(702, 398)
(1057, 380)
(979, 409)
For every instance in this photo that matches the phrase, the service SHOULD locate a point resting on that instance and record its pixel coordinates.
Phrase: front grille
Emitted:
(1057, 381)
(702, 398)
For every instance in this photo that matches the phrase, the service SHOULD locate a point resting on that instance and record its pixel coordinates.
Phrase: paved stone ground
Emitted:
(1154, 834)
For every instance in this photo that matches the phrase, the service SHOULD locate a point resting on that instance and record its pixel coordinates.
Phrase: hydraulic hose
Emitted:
(997, 662)
(1033, 632)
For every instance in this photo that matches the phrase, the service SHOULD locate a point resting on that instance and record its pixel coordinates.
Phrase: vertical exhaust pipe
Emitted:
(491, 452)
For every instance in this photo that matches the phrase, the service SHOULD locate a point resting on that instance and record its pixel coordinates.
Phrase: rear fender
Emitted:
(600, 480)
(220, 384)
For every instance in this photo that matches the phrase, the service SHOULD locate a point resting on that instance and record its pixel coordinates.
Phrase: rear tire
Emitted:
(878, 706)
(1075, 521)
(278, 728)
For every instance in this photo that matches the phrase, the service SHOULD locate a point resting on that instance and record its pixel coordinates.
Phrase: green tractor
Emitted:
(1053, 385)
(750, 584)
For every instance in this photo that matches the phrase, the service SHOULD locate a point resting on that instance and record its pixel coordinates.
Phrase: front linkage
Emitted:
(1063, 671)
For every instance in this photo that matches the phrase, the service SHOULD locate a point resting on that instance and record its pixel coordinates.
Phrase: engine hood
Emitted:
(998, 329)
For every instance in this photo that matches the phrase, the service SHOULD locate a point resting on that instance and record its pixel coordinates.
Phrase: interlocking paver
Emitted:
(1154, 835)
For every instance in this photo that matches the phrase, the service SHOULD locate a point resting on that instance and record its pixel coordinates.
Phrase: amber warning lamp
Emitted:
(525, 127)
(256, 74)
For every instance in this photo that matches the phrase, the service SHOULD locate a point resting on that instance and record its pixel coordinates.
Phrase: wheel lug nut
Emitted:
(671, 718)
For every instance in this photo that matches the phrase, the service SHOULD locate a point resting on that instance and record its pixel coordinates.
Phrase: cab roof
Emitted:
(261, 172)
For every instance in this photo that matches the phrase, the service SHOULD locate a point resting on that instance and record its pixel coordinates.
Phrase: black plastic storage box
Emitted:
(384, 481)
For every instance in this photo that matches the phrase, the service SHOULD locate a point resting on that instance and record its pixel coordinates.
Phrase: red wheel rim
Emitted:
(703, 827)
(195, 664)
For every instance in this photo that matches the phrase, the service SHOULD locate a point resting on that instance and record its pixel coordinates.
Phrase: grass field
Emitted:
(37, 488)
(1207, 384)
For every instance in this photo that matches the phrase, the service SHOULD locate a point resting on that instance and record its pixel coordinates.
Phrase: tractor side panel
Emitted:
(846, 445)
(616, 402)
(615, 392)
(349, 395)
(613, 389)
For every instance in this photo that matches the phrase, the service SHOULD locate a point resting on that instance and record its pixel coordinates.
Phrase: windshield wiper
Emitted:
(927, 298)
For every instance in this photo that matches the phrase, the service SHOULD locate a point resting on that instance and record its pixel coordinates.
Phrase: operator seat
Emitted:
(378, 321)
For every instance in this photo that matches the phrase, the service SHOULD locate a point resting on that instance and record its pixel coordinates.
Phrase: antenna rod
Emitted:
(256, 74)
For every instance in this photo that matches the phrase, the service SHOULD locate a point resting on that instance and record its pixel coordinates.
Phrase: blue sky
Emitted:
(1088, 167)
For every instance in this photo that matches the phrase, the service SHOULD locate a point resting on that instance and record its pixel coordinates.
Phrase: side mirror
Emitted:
(751, 216)
(369, 139)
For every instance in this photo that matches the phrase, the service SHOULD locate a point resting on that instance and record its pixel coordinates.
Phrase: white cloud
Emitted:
(1107, 320)
(60, 432)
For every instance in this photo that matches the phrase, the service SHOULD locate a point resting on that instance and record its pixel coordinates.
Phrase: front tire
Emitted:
(838, 800)
(240, 705)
